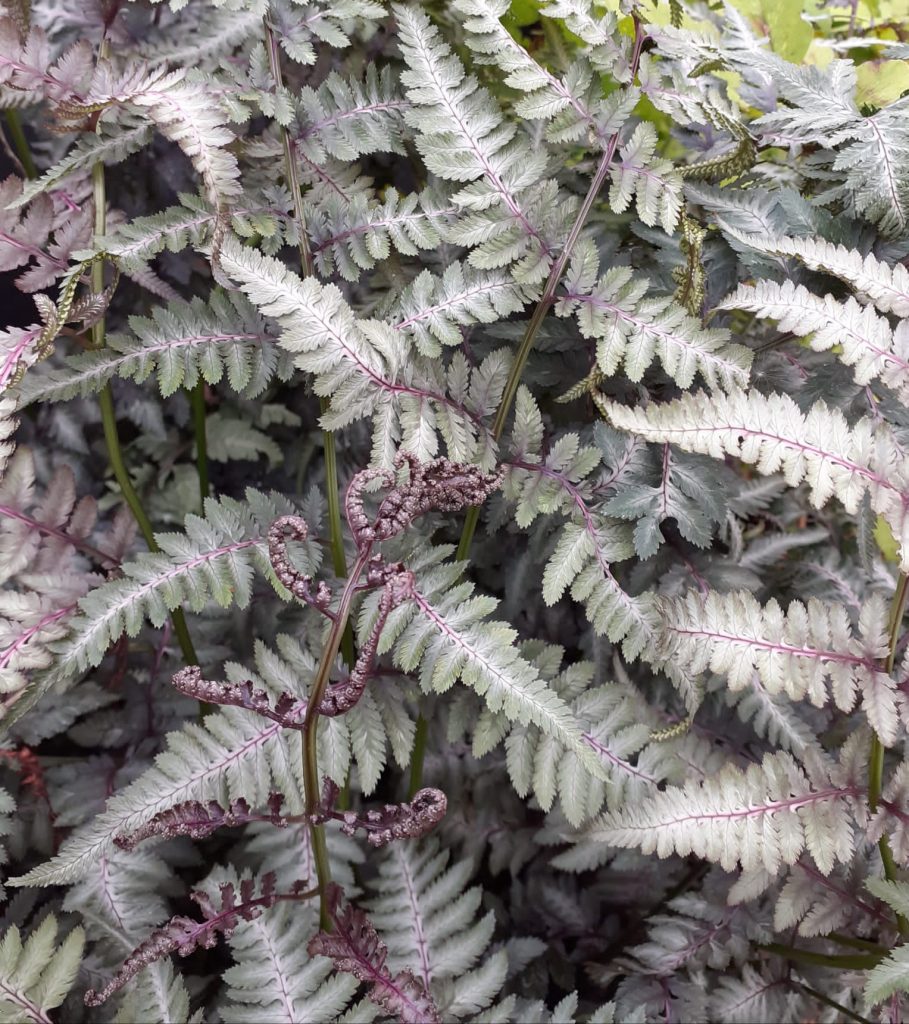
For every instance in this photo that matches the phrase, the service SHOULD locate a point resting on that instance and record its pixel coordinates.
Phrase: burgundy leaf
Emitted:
(289, 710)
(356, 949)
(436, 486)
(198, 820)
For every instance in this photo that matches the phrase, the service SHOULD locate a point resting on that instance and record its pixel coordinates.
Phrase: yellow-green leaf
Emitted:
(881, 82)
(790, 34)
(886, 541)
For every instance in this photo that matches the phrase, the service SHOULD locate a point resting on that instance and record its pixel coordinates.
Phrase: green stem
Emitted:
(197, 401)
(292, 177)
(109, 417)
(311, 786)
(852, 943)
(115, 455)
(14, 123)
(832, 1003)
(876, 757)
(857, 962)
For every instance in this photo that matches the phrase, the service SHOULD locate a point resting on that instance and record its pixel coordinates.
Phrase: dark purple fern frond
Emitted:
(288, 711)
(183, 935)
(356, 949)
(198, 820)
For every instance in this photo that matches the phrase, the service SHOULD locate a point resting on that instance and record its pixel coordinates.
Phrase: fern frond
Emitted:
(356, 235)
(873, 280)
(158, 993)
(184, 112)
(112, 145)
(432, 310)
(765, 816)
(122, 898)
(868, 343)
(572, 105)
(654, 184)
(182, 343)
(773, 434)
(133, 244)
(634, 329)
(444, 633)
(617, 728)
(463, 137)
(273, 977)
(232, 751)
(42, 542)
(597, 29)
(589, 541)
(36, 976)
(356, 949)
(348, 118)
(797, 652)
(212, 561)
(359, 365)
(888, 977)
(352, 359)
(331, 23)
(430, 922)
(206, 35)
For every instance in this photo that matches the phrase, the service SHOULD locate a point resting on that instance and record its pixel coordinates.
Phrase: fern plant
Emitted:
(454, 511)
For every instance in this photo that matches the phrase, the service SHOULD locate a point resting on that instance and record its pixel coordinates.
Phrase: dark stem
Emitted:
(827, 1001)
(418, 756)
(517, 369)
(858, 962)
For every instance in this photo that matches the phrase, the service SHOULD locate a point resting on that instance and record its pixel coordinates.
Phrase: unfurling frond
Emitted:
(391, 823)
(274, 977)
(183, 935)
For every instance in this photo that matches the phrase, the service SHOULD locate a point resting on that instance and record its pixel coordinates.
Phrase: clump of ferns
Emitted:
(412, 489)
